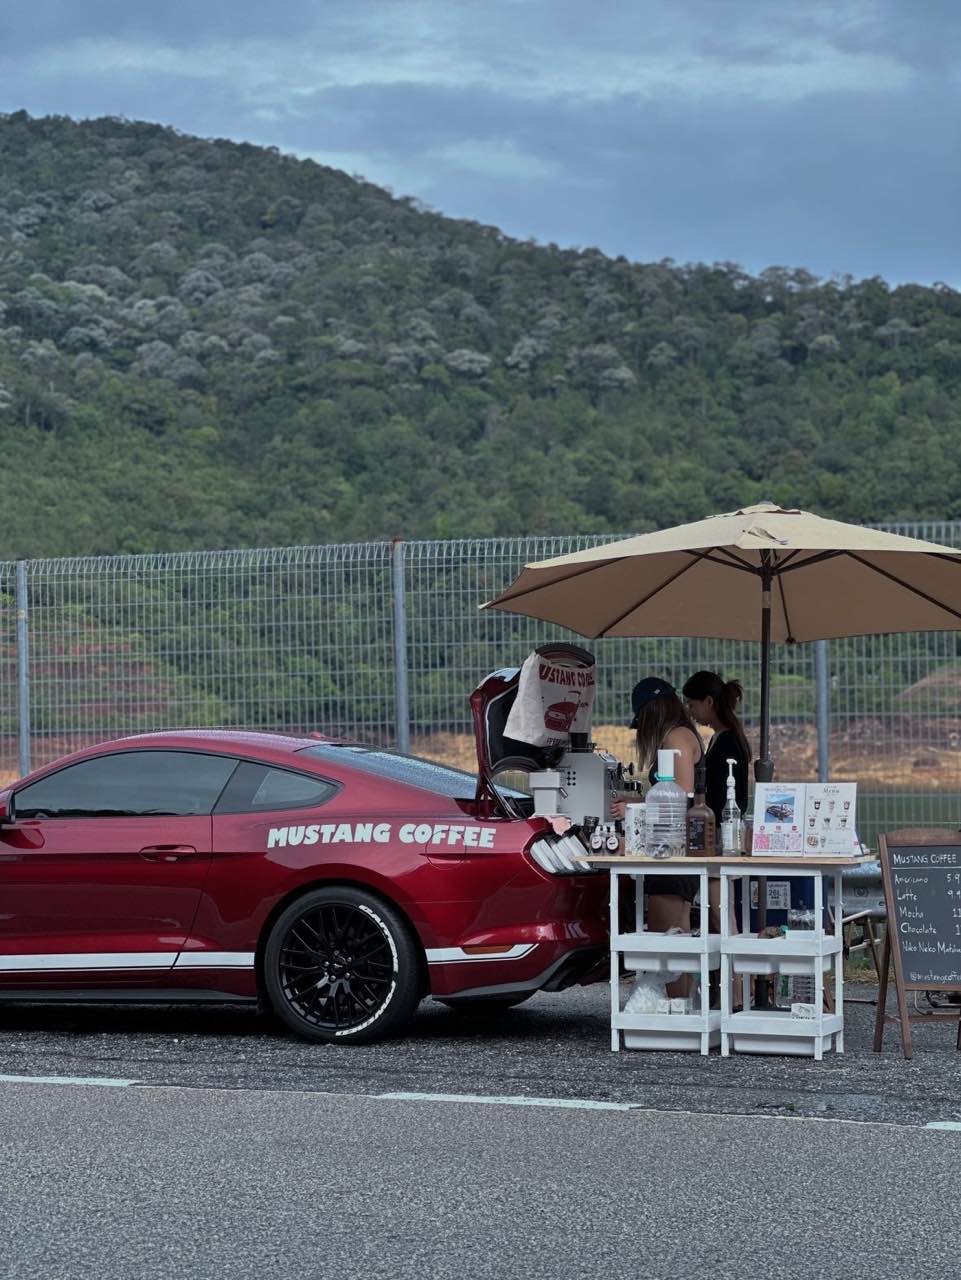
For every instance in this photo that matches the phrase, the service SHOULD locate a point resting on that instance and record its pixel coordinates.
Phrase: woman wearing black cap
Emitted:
(661, 722)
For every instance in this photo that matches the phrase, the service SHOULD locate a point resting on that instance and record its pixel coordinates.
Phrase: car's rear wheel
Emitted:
(342, 966)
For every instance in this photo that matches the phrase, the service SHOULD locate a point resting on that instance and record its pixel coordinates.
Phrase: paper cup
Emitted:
(635, 828)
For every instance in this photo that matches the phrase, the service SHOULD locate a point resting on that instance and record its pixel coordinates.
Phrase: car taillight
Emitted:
(560, 855)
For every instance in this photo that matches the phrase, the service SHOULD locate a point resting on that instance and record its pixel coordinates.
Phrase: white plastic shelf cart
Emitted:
(818, 955)
(809, 953)
(666, 954)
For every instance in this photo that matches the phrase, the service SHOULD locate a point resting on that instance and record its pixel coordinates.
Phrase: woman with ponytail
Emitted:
(712, 702)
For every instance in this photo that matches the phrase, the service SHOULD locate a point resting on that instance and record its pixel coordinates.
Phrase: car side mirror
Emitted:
(6, 809)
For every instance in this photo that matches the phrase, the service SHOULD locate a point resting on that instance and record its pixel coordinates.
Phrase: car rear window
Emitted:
(426, 774)
(256, 788)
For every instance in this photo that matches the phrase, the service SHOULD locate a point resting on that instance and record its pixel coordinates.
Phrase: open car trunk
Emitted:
(503, 763)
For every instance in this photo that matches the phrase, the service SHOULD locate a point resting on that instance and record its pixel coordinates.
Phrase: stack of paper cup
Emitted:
(635, 828)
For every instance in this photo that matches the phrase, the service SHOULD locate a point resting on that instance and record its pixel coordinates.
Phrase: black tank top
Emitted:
(725, 745)
(652, 776)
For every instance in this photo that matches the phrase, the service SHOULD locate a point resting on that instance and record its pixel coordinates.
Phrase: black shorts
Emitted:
(674, 886)
(685, 887)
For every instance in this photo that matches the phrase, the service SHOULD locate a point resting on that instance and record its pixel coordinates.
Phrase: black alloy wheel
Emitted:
(342, 966)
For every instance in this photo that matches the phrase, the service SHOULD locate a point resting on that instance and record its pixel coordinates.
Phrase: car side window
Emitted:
(257, 788)
(128, 784)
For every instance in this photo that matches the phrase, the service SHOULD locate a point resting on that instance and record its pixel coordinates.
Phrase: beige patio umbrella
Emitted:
(763, 573)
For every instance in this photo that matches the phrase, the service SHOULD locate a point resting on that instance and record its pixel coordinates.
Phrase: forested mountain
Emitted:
(211, 344)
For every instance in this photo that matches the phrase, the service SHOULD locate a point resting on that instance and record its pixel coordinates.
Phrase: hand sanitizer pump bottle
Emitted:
(732, 831)
(666, 811)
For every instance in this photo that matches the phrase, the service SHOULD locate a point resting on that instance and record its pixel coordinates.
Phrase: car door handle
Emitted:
(167, 852)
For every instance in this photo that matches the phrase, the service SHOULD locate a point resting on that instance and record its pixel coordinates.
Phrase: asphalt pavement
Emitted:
(554, 1046)
(216, 1145)
(135, 1183)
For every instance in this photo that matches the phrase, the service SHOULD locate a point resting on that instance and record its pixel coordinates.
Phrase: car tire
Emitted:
(486, 1006)
(342, 967)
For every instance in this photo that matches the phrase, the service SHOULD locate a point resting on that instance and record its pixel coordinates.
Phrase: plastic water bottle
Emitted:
(801, 985)
(666, 811)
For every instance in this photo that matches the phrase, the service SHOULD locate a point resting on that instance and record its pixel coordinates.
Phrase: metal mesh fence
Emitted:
(8, 665)
(452, 643)
(303, 639)
(299, 638)
(896, 717)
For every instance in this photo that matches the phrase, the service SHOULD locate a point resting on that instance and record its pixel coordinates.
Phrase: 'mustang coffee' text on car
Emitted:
(338, 883)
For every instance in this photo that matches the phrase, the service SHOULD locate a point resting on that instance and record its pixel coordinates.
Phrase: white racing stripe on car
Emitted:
(454, 955)
(95, 960)
(215, 960)
(88, 960)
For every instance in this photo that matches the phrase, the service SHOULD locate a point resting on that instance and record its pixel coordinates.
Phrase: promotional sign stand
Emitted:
(921, 868)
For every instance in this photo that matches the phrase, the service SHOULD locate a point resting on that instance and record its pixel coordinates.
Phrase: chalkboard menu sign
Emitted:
(922, 889)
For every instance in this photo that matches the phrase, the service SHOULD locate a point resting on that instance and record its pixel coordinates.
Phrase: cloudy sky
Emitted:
(789, 132)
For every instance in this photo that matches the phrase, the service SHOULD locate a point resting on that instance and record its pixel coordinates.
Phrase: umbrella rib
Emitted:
(588, 568)
(892, 577)
(733, 561)
(789, 639)
(784, 567)
(697, 557)
(789, 557)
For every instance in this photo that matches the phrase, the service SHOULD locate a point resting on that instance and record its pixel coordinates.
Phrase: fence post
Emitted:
(822, 707)
(23, 672)
(401, 695)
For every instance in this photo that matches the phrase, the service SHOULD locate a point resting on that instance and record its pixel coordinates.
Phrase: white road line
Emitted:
(644, 1108)
(581, 1104)
(504, 1100)
(98, 1080)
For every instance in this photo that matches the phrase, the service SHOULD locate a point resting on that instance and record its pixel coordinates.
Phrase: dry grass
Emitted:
(864, 753)
(919, 755)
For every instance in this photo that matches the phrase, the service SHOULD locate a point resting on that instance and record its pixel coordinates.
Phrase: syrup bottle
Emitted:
(701, 824)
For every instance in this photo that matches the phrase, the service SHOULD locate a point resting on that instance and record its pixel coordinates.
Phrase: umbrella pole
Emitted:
(763, 765)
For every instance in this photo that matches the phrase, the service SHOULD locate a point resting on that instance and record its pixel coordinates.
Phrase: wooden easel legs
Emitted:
(881, 1017)
(905, 1019)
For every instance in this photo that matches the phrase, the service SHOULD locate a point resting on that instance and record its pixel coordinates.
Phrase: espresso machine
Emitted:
(583, 786)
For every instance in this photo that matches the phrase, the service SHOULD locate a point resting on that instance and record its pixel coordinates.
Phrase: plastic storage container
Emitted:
(801, 986)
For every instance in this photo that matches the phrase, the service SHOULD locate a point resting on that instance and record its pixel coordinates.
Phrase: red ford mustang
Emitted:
(340, 884)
